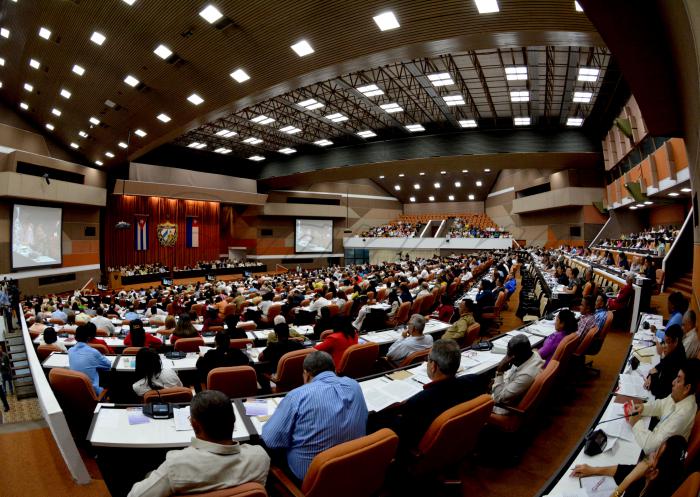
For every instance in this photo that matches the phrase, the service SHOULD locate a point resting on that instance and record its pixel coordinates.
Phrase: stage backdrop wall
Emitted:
(120, 247)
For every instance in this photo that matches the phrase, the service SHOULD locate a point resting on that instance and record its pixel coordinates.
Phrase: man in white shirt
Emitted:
(412, 340)
(515, 373)
(691, 343)
(676, 412)
(213, 461)
(318, 303)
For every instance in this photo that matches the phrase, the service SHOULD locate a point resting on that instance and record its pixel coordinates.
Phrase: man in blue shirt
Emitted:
(59, 314)
(131, 314)
(83, 358)
(326, 411)
(510, 284)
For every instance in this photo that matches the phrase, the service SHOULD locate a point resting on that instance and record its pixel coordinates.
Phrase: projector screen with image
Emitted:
(314, 236)
(36, 236)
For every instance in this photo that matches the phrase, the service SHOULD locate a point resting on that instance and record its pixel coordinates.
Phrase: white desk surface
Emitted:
(60, 360)
(389, 336)
(189, 363)
(112, 429)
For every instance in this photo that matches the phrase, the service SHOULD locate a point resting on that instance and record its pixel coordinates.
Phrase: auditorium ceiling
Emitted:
(120, 80)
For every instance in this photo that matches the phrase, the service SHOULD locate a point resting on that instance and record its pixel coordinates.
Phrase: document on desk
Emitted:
(632, 385)
(599, 486)
(182, 422)
(382, 392)
(136, 417)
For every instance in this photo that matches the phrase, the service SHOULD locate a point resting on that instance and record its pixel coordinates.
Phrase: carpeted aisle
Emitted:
(33, 466)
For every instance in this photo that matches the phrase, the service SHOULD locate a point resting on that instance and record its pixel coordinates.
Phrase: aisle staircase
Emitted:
(684, 284)
(22, 376)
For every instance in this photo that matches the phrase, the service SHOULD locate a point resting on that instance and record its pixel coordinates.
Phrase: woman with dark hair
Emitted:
(211, 318)
(405, 295)
(337, 342)
(51, 338)
(151, 375)
(658, 475)
(138, 337)
(446, 309)
(394, 302)
(184, 329)
(92, 336)
(232, 329)
(222, 356)
(564, 324)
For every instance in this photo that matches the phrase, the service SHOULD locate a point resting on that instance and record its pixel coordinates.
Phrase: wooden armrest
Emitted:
(102, 396)
(284, 480)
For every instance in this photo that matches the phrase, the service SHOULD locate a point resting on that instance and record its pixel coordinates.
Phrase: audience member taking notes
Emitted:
(213, 461)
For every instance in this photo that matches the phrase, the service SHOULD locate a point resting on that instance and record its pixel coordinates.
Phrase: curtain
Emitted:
(119, 243)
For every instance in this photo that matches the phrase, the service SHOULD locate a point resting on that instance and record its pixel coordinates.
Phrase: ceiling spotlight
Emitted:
(131, 81)
(467, 123)
(323, 143)
(471, 196)
(65, 93)
(256, 158)
(140, 132)
(79, 70)
(412, 199)
(413, 128)
(94, 121)
(24, 105)
(370, 90)
(28, 87)
(74, 145)
(122, 145)
(673, 194)
(486, 6)
(287, 150)
(49, 126)
(458, 184)
(397, 187)
(44, 33)
(82, 134)
(421, 174)
(648, 202)
(401, 175)
(35, 64)
(478, 183)
(436, 185)
(226, 133)
(98, 162)
(416, 186)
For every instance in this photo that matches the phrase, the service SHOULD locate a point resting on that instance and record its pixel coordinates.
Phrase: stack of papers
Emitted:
(632, 385)
(385, 392)
(182, 422)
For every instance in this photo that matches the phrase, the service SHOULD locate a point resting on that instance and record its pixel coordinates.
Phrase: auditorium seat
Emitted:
(401, 316)
(289, 371)
(470, 336)
(234, 381)
(690, 487)
(131, 350)
(173, 395)
(358, 360)
(693, 444)
(240, 343)
(101, 347)
(76, 397)
(189, 344)
(352, 469)
(43, 351)
(450, 438)
(101, 332)
(250, 489)
(415, 358)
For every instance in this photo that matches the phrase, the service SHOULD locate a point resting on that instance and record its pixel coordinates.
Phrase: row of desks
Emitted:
(621, 447)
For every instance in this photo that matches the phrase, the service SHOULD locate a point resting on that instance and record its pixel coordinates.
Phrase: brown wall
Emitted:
(444, 208)
(673, 214)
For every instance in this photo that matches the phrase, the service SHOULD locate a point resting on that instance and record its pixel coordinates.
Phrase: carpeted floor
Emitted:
(33, 466)
(21, 410)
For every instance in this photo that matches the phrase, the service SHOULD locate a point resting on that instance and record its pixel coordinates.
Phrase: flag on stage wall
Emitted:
(141, 233)
(192, 232)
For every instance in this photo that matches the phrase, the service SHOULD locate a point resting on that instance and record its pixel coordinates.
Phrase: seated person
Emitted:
(213, 461)
(601, 310)
(624, 296)
(466, 319)
(151, 375)
(361, 313)
(691, 342)
(676, 413)
(234, 332)
(564, 324)
(131, 314)
(412, 418)
(50, 338)
(661, 473)
(220, 357)
(324, 412)
(293, 333)
(677, 305)
(515, 373)
(573, 287)
(92, 336)
(83, 358)
(211, 318)
(138, 337)
(588, 318)
(336, 343)
(660, 377)
(102, 322)
(184, 329)
(445, 310)
(411, 340)
(276, 349)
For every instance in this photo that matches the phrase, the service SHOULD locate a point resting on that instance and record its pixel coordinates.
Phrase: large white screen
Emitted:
(314, 235)
(36, 236)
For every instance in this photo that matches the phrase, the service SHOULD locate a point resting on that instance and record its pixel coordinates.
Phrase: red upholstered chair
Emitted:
(470, 336)
(347, 308)
(401, 316)
(415, 358)
(240, 343)
(693, 443)
(172, 394)
(131, 350)
(690, 487)
(198, 308)
(189, 344)
(44, 351)
(333, 310)
(272, 311)
(57, 321)
(101, 347)
(76, 397)
(229, 309)
(247, 326)
(334, 472)
(246, 490)
(451, 437)
(235, 381)
(566, 348)
(289, 371)
(358, 360)
(101, 332)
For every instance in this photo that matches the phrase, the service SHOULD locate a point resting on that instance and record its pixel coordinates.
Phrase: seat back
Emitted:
(333, 309)
(289, 370)
(44, 351)
(586, 342)
(452, 435)
(131, 350)
(273, 310)
(402, 313)
(538, 390)
(198, 308)
(415, 358)
(101, 332)
(235, 381)
(358, 360)
(189, 344)
(690, 487)
(334, 471)
(417, 305)
(381, 294)
(347, 308)
(101, 347)
(172, 394)
(565, 348)
(250, 489)
(240, 343)
(470, 336)
(693, 442)
(77, 398)
(229, 310)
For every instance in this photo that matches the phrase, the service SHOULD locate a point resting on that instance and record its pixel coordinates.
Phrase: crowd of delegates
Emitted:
(461, 228)
(642, 265)
(398, 229)
(657, 239)
(158, 268)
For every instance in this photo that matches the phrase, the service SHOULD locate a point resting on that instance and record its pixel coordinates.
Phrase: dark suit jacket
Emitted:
(666, 372)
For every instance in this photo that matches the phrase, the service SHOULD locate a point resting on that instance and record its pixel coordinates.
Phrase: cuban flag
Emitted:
(141, 234)
(192, 232)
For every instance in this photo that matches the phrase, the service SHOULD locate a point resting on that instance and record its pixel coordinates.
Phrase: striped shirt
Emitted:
(325, 412)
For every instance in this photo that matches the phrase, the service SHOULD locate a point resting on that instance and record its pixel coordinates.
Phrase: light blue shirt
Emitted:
(131, 316)
(58, 314)
(83, 358)
(676, 318)
(601, 315)
(326, 412)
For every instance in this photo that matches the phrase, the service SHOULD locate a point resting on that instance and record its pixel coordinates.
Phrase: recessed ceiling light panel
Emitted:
(240, 75)
(98, 38)
(486, 6)
(211, 14)
(195, 99)
(386, 21)
(163, 117)
(163, 52)
(468, 123)
(302, 48)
